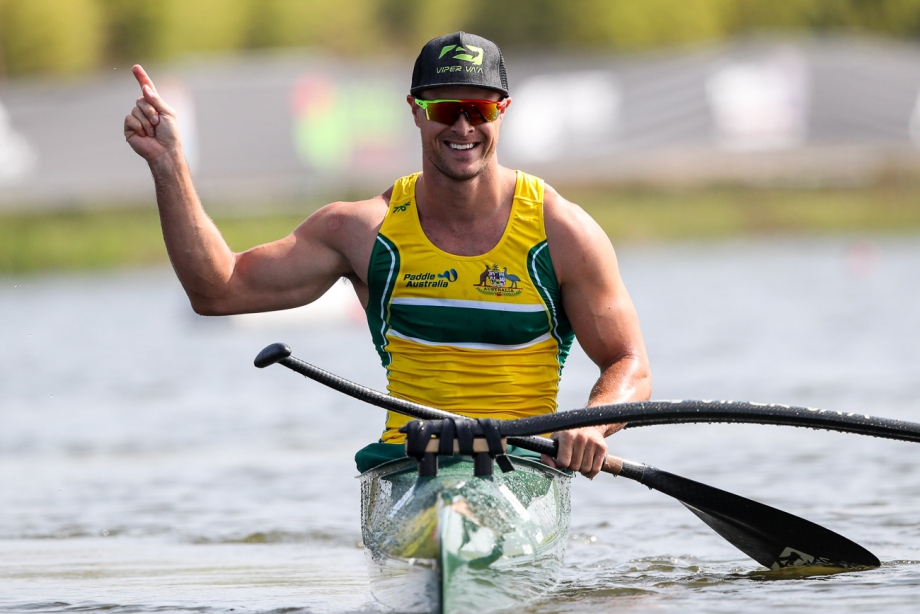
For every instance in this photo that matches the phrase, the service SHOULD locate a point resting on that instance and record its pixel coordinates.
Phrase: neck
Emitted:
(459, 202)
(465, 217)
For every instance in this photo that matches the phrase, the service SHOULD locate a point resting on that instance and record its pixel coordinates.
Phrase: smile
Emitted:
(461, 147)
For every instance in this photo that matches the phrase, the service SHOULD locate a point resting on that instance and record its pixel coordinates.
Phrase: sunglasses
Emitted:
(477, 111)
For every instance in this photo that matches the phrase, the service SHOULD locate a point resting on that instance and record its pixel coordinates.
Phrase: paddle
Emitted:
(770, 536)
(647, 413)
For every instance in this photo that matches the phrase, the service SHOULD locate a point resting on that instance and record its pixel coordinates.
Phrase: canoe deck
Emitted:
(460, 543)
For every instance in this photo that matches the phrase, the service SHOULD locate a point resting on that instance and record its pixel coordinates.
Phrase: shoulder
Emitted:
(348, 218)
(575, 239)
(339, 236)
(567, 221)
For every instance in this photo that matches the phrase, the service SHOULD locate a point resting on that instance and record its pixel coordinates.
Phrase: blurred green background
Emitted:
(71, 37)
(77, 39)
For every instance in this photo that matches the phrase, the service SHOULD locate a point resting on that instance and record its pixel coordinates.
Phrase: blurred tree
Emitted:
(898, 17)
(409, 24)
(169, 29)
(70, 36)
(883, 17)
(431, 20)
(346, 26)
(51, 36)
(132, 34)
(524, 23)
(184, 27)
(3, 70)
(625, 24)
(755, 15)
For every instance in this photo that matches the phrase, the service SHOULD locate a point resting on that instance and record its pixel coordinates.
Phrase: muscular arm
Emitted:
(605, 324)
(286, 273)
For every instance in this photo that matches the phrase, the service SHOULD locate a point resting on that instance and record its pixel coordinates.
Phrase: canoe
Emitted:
(461, 543)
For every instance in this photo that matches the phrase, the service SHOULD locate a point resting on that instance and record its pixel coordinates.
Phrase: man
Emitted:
(474, 277)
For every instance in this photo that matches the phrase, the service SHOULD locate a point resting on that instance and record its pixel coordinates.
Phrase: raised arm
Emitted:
(289, 272)
(604, 320)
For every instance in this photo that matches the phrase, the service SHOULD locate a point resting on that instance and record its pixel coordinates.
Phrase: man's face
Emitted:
(459, 150)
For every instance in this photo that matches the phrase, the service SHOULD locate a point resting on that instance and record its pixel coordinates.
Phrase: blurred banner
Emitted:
(271, 128)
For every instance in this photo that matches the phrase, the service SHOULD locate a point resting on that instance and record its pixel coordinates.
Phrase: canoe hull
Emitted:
(459, 543)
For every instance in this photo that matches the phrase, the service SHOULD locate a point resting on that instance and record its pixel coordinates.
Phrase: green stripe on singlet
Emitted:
(381, 280)
(472, 324)
(543, 275)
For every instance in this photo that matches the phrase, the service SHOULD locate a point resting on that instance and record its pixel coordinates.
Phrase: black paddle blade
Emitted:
(770, 536)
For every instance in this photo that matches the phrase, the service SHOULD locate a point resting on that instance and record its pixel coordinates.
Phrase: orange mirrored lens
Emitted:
(447, 111)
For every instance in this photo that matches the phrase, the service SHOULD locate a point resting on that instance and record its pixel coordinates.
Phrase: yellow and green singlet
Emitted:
(485, 336)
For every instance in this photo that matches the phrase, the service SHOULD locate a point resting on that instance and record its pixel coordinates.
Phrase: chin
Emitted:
(464, 173)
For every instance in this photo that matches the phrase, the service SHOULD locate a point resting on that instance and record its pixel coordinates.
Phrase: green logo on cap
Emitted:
(466, 57)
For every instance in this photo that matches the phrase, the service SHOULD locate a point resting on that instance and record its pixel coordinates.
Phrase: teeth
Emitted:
(456, 146)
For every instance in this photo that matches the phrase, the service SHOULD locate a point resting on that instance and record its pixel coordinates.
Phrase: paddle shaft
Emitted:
(543, 445)
(634, 414)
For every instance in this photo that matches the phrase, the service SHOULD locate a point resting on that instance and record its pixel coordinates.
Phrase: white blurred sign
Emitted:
(759, 105)
(914, 125)
(551, 113)
(180, 98)
(17, 157)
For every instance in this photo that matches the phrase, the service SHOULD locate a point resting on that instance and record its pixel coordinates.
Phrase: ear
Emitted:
(411, 100)
(502, 116)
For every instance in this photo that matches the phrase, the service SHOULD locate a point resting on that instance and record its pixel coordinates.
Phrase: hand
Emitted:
(151, 128)
(582, 450)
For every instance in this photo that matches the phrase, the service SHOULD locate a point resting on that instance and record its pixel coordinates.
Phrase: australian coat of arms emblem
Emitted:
(497, 281)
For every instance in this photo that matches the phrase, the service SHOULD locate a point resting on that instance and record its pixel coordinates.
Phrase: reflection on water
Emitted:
(147, 465)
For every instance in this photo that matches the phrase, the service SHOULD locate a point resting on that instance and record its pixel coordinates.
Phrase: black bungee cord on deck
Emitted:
(465, 432)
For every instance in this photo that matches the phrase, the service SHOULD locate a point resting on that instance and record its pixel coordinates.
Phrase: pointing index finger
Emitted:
(149, 93)
(142, 79)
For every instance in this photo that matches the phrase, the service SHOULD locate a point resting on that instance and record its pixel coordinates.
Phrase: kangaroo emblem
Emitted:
(483, 277)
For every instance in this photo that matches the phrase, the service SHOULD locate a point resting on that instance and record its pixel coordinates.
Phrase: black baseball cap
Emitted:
(459, 59)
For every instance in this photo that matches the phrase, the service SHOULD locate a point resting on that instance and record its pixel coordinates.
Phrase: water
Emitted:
(146, 465)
